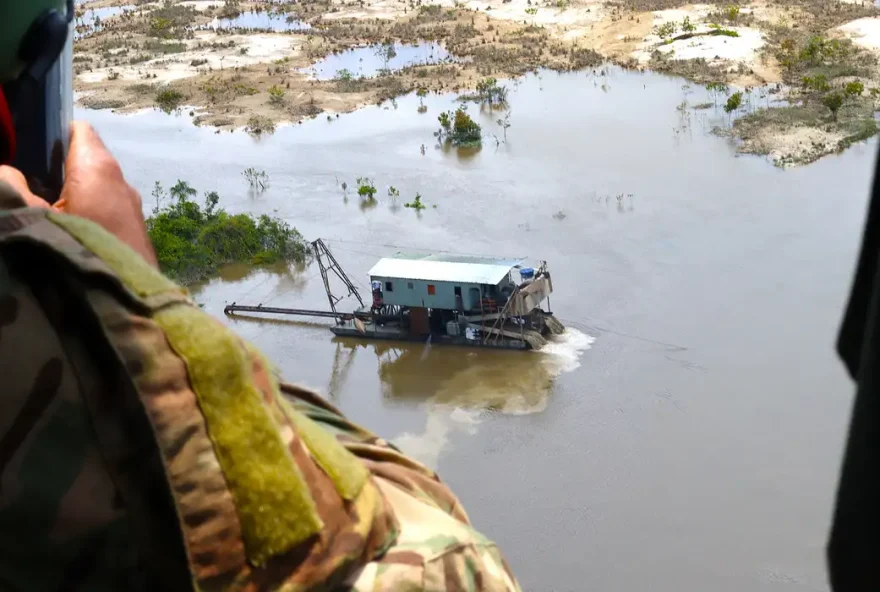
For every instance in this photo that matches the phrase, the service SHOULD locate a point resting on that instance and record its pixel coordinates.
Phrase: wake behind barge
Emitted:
(440, 299)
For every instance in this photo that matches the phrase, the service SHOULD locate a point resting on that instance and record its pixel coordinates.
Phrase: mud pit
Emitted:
(175, 54)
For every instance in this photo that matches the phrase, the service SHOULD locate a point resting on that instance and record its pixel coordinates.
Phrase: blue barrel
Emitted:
(527, 273)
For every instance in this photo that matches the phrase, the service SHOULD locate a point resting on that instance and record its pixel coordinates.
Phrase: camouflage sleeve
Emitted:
(381, 457)
(436, 548)
(59, 512)
(119, 440)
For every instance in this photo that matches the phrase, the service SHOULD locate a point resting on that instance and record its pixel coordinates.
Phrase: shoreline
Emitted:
(175, 53)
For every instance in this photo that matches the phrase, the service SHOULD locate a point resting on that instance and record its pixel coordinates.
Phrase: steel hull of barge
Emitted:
(391, 334)
(492, 331)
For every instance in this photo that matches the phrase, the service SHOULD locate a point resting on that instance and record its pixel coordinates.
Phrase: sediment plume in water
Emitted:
(494, 385)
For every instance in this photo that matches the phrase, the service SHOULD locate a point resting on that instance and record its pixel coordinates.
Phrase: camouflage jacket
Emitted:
(144, 446)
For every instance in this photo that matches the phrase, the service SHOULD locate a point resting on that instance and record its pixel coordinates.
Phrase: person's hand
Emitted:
(94, 188)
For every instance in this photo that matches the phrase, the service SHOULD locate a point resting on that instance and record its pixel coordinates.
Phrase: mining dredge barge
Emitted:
(439, 299)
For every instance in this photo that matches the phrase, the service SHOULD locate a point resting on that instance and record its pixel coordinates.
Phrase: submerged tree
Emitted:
(734, 102)
(459, 129)
(716, 89)
(366, 187)
(387, 52)
(257, 180)
(422, 93)
(504, 123)
(416, 204)
(489, 91)
(192, 241)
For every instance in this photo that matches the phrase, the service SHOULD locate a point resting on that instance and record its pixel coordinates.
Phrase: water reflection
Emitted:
(476, 379)
(367, 203)
(289, 278)
(371, 60)
(263, 20)
(462, 153)
(460, 386)
(90, 21)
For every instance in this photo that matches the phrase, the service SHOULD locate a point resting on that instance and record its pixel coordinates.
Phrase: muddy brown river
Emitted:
(685, 434)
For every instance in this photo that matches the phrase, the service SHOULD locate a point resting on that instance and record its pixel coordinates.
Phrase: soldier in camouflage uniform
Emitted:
(144, 446)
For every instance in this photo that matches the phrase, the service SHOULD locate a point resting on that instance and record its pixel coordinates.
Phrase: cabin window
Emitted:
(431, 289)
(457, 290)
(389, 287)
(409, 285)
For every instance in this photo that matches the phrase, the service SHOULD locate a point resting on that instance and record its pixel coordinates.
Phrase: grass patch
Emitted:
(169, 21)
(697, 70)
(809, 114)
(802, 55)
(156, 46)
(193, 241)
(258, 125)
(858, 130)
(434, 12)
(582, 58)
(715, 32)
(218, 89)
(169, 99)
(92, 102)
(758, 130)
(141, 88)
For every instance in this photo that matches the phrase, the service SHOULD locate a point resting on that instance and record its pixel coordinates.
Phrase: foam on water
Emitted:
(563, 352)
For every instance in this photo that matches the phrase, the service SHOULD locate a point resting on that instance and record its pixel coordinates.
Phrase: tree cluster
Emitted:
(193, 241)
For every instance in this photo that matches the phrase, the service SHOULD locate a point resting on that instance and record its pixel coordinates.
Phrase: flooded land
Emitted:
(686, 431)
(797, 79)
(695, 175)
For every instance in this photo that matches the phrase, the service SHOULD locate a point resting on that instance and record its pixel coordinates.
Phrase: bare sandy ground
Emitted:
(789, 147)
(260, 48)
(507, 37)
(615, 34)
(864, 32)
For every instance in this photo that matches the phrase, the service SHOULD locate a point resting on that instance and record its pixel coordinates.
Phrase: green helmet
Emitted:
(30, 33)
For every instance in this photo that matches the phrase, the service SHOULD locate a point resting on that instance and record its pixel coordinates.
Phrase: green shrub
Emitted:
(854, 89)
(258, 125)
(416, 204)
(733, 103)
(459, 129)
(276, 95)
(732, 13)
(169, 99)
(193, 241)
(666, 30)
(834, 101)
(366, 187)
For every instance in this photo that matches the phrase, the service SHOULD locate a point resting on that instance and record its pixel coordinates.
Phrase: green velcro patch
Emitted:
(131, 268)
(271, 496)
(347, 472)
